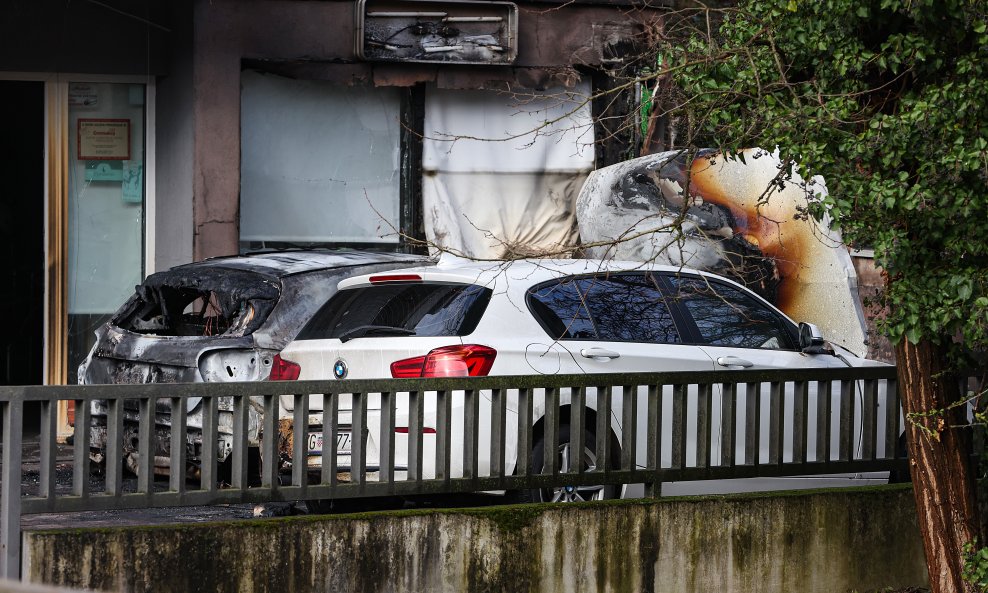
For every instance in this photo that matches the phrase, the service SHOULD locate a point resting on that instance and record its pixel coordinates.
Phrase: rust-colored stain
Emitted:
(758, 222)
(286, 437)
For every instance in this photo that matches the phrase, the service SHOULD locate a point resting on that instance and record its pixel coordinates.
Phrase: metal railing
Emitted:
(660, 427)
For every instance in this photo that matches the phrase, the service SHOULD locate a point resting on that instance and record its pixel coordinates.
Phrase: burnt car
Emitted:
(220, 319)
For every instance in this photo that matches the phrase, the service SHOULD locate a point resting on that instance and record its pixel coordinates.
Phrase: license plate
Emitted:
(342, 442)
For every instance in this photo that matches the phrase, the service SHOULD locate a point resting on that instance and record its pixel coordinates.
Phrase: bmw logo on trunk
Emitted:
(339, 369)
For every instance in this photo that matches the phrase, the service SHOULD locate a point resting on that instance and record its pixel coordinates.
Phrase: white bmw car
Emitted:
(537, 316)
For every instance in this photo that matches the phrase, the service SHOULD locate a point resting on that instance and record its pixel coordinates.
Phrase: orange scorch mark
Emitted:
(759, 224)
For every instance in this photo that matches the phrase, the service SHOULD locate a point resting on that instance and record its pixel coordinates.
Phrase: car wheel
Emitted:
(569, 493)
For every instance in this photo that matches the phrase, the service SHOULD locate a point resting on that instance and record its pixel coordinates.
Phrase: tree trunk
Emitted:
(939, 453)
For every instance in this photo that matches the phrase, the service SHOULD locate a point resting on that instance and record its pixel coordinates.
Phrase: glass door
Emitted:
(105, 206)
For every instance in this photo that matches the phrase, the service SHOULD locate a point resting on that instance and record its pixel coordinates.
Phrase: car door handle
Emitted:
(734, 361)
(599, 354)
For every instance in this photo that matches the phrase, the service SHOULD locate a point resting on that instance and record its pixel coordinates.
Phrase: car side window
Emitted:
(727, 316)
(629, 308)
(561, 309)
(621, 308)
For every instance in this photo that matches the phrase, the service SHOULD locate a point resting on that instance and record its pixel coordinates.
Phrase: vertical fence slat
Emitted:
(239, 456)
(330, 431)
(577, 437)
(49, 448)
(358, 438)
(869, 420)
(269, 442)
(80, 448)
(824, 392)
(846, 439)
(653, 441)
(386, 459)
(752, 423)
(209, 476)
(10, 489)
(629, 426)
(892, 427)
(799, 418)
(524, 463)
(550, 433)
(415, 420)
(704, 419)
(498, 427)
(471, 436)
(176, 457)
(604, 398)
(776, 434)
(146, 442)
(728, 424)
(679, 428)
(300, 441)
(112, 464)
(444, 417)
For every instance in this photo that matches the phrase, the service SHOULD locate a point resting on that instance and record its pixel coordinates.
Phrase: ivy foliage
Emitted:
(888, 101)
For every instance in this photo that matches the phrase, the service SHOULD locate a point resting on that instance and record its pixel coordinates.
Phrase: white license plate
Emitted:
(342, 442)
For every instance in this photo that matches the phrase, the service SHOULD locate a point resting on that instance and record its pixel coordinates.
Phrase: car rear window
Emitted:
(200, 301)
(409, 309)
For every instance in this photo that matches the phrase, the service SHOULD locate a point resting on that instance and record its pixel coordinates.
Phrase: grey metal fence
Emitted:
(454, 435)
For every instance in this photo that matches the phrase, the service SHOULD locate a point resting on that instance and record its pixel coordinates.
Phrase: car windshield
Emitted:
(400, 309)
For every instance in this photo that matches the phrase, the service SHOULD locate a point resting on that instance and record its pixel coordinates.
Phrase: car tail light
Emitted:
(284, 370)
(469, 360)
(387, 278)
(425, 430)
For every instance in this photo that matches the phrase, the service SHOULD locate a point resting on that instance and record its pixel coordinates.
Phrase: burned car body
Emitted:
(221, 319)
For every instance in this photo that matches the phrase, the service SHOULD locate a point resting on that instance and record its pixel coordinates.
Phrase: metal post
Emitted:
(239, 463)
(10, 494)
(653, 440)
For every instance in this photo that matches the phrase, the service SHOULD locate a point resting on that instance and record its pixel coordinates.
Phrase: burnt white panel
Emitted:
(742, 221)
(437, 32)
(502, 171)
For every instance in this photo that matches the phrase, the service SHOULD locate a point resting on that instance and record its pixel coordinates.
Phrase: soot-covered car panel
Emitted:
(221, 319)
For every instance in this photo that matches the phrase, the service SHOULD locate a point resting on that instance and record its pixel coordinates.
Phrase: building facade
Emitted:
(149, 133)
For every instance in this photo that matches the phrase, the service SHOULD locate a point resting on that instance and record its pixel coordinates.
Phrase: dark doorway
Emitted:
(22, 254)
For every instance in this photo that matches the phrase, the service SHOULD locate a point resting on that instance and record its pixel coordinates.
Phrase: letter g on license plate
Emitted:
(342, 442)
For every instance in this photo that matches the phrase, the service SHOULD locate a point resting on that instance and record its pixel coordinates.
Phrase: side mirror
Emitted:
(811, 339)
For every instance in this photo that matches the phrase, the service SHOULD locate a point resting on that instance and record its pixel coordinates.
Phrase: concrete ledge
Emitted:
(819, 541)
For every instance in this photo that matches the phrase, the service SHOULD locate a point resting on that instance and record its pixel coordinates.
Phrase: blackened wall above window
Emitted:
(104, 36)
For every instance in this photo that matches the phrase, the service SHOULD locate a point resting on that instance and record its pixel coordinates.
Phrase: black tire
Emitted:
(569, 493)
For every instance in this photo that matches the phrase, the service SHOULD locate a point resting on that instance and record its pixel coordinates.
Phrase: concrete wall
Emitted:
(864, 539)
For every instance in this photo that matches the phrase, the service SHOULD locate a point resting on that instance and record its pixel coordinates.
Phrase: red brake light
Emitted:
(425, 430)
(409, 368)
(284, 370)
(470, 360)
(395, 278)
